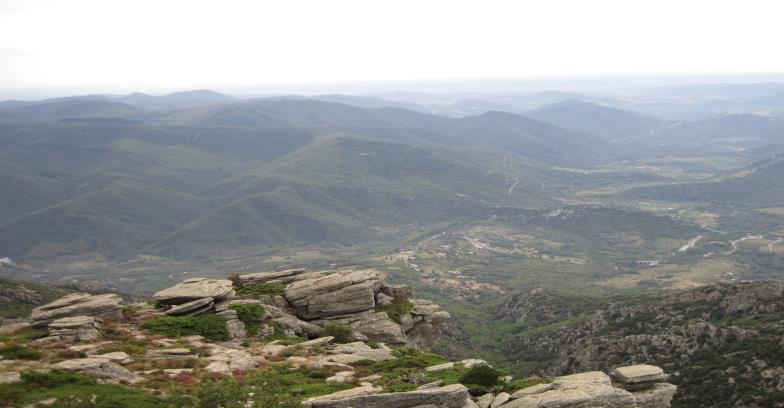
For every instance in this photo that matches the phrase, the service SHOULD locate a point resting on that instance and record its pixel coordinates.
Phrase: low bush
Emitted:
(341, 332)
(17, 352)
(397, 309)
(248, 312)
(210, 326)
(481, 377)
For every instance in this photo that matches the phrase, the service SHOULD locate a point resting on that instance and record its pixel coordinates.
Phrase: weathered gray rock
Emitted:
(499, 400)
(467, 363)
(638, 377)
(236, 329)
(397, 291)
(363, 351)
(195, 289)
(291, 322)
(434, 384)
(383, 300)
(423, 325)
(370, 325)
(340, 396)
(76, 328)
(194, 308)
(282, 277)
(10, 377)
(450, 396)
(485, 400)
(225, 360)
(335, 294)
(277, 301)
(116, 356)
(534, 389)
(658, 395)
(588, 390)
(102, 368)
(106, 307)
(342, 377)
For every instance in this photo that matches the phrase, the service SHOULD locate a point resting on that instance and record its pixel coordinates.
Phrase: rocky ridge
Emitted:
(349, 338)
(723, 334)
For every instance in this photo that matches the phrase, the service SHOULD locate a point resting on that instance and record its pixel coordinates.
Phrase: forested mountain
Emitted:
(107, 177)
(594, 118)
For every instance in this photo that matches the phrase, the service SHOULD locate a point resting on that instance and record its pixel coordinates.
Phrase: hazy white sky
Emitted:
(168, 44)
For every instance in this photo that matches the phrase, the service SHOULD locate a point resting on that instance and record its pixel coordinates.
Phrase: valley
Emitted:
(474, 211)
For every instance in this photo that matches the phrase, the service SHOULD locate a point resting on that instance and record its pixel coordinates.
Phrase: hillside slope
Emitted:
(721, 341)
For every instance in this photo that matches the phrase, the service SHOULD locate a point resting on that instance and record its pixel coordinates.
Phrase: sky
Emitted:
(149, 45)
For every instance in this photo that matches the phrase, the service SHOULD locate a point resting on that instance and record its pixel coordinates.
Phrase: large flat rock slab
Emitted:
(195, 289)
(638, 376)
(335, 294)
(450, 396)
(106, 307)
(102, 368)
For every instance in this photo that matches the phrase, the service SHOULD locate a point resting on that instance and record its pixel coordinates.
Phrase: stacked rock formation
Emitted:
(106, 307)
(640, 386)
(352, 298)
(76, 328)
(197, 296)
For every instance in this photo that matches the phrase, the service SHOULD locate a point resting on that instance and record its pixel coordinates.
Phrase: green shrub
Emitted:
(363, 363)
(481, 374)
(407, 358)
(224, 393)
(341, 332)
(17, 352)
(397, 309)
(372, 344)
(210, 326)
(271, 289)
(318, 373)
(249, 313)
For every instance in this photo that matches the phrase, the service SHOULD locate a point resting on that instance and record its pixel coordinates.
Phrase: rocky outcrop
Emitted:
(689, 334)
(313, 300)
(638, 377)
(192, 308)
(102, 368)
(77, 328)
(594, 389)
(335, 294)
(195, 289)
(106, 307)
(450, 396)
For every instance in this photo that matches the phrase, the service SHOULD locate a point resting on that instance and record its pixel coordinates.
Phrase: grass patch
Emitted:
(17, 352)
(212, 327)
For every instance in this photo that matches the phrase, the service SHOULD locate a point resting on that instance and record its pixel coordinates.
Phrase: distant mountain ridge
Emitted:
(195, 181)
(594, 118)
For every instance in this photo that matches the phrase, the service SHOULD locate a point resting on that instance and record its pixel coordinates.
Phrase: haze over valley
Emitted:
(295, 204)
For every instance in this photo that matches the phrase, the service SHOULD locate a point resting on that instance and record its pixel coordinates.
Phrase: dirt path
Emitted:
(511, 189)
